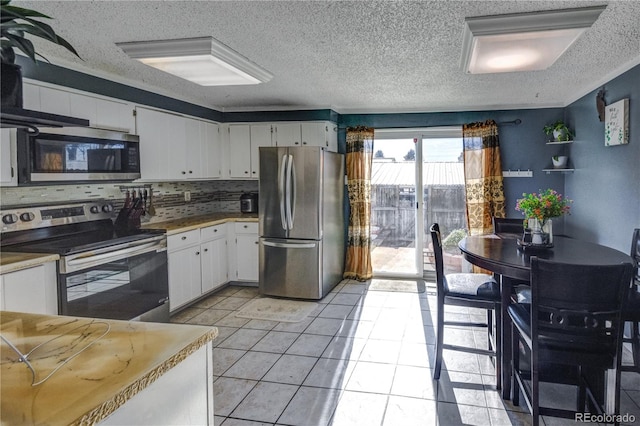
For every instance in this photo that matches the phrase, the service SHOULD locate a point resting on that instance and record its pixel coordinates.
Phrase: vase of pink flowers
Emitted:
(538, 210)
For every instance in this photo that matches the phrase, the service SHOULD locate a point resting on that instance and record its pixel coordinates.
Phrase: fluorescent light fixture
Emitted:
(202, 60)
(522, 41)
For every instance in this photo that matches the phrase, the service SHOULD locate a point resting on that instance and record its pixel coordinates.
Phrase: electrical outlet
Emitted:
(187, 195)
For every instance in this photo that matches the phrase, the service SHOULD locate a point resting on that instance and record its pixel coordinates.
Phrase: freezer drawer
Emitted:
(291, 268)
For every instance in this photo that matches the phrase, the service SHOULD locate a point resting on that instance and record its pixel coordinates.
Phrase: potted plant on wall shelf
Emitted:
(559, 130)
(15, 23)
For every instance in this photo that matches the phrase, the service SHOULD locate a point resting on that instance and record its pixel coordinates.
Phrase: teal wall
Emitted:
(606, 183)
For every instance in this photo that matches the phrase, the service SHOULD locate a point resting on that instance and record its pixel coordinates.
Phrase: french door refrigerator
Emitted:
(301, 221)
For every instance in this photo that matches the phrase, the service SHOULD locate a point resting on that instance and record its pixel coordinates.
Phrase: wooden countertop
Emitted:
(189, 223)
(89, 387)
(11, 262)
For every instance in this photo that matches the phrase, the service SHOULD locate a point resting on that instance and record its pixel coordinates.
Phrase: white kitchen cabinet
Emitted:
(8, 165)
(214, 257)
(203, 149)
(32, 290)
(162, 145)
(323, 134)
(197, 263)
(185, 281)
(245, 141)
(180, 396)
(174, 147)
(247, 262)
(101, 113)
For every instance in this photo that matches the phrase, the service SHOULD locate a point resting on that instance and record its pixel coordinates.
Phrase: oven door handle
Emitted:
(99, 259)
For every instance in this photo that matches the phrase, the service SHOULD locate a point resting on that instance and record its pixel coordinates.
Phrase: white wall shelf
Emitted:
(517, 173)
(558, 170)
(558, 142)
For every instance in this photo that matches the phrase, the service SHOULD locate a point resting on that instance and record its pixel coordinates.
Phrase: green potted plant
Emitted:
(559, 130)
(15, 22)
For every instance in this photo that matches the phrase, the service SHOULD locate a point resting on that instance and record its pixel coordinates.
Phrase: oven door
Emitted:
(128, 282)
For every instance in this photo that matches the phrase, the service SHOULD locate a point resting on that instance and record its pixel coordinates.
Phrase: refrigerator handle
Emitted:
(294, 193)
(288, 192)
(281, 191)
(286, 245)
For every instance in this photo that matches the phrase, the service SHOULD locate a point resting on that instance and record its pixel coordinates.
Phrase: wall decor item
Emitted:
(600, 104)
(616, 123)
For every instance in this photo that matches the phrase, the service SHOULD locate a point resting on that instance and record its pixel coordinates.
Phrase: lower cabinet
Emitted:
(197, 263)
(181, 396)
(32, 290)
(247, 250)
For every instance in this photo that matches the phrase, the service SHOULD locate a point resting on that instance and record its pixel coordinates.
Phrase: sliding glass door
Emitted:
(417, 179)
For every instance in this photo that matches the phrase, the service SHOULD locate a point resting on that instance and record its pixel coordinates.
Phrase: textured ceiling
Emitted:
(351, 56)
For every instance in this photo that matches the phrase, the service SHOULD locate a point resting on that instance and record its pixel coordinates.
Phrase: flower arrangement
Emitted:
(543, 206)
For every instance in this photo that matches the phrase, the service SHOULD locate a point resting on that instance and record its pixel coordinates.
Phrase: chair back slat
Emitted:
(502, 225)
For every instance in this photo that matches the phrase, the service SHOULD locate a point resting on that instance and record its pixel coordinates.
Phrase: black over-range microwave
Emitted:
(77, 154)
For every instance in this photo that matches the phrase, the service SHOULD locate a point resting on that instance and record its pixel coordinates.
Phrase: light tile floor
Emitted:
(361, 358)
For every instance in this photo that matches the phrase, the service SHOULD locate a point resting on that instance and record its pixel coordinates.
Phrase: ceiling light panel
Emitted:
(522, 42)
(202, 60)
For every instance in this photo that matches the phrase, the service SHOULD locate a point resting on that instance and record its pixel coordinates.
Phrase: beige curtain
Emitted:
(359, 157)
(483, 176)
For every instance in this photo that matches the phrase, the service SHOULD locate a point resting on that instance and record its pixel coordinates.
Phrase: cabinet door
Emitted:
(288, 134)
(214, 264)
(113, 115)
(185, 282)
(211, 150)
(260, 136)
(55, 101)
(30, 96)
(8, 167)
(162, 145)
(83, 107)
(247, 257)
(314, 134)
(32, 290)
(240, 151)
(193, 141)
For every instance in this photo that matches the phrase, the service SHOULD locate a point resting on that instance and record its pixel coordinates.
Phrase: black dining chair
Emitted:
(631, 310)
(503, 225)
(469, 290)
(573, 320)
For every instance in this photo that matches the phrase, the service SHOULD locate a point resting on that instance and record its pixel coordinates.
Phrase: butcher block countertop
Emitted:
(11, 262)
(189, 223)
(116, 360)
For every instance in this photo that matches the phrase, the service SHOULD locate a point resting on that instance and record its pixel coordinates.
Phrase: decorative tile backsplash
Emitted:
(168, 198)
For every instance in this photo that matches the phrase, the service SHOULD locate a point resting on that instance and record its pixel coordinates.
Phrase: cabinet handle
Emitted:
(197, 253)
(255, 242)
(246, 172)
(206, 250)
(190, 171)
(215, 230)
(304, 143)
(245, 226)
(296, 142)
(184, 238)
(253, 173)
(184, 173)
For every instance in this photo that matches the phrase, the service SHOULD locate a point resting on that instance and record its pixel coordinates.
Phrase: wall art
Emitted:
(616, 123)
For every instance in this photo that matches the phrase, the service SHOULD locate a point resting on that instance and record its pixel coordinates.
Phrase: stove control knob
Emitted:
(27, 217)
(107, 208)
(94, 209)
(9, 219)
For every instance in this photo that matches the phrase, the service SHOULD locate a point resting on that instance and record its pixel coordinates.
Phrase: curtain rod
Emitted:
(503, 123)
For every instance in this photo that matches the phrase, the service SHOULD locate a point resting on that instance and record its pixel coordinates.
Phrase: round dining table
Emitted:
(504, 257)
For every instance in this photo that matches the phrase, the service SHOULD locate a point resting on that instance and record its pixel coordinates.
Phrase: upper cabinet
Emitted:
(101, 113)
(174, 147)
(245, 141)
(323, 134)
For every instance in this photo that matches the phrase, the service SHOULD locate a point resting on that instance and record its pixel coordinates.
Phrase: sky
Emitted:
(435, 150)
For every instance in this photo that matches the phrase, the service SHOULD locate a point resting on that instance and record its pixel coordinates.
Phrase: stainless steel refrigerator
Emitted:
(301, 220)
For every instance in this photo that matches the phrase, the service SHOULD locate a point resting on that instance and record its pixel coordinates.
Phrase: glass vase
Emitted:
(547, 229)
